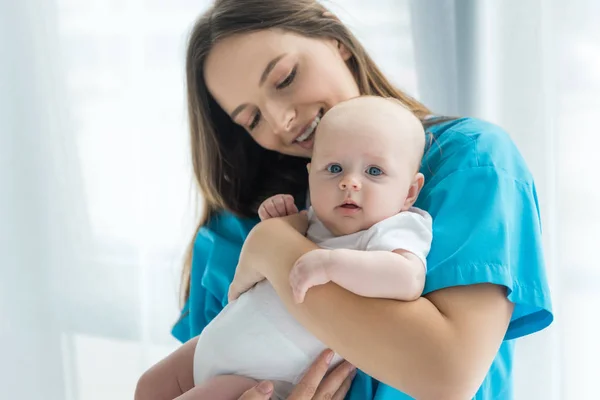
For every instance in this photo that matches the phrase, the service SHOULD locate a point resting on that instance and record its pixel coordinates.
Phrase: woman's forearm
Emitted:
(409, 345)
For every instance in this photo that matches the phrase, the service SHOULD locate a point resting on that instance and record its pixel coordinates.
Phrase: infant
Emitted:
(363, 180)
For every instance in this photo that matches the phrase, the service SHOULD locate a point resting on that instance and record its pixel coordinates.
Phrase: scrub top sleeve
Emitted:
(215, 256)
(486, 229)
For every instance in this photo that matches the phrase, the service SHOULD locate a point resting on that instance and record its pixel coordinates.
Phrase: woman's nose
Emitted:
(350, 183)
(280, 117)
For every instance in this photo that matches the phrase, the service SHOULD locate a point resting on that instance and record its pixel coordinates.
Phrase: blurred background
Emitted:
(96, 196)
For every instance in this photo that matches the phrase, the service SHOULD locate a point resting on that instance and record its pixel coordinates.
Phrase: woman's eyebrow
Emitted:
(237, 110)
(263, 78)
(269, 68)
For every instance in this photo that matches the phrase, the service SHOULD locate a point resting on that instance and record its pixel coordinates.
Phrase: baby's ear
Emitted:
(414, 190)
(308, 167)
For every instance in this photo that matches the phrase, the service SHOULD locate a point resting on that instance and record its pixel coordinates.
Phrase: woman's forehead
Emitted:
(236, 64)
(242, 51)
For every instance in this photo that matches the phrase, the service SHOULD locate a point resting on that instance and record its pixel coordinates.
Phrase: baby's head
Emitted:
(365, 163)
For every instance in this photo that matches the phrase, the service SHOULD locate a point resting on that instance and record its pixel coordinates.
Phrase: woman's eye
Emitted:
(375, 171)
(288, 80)
(255, 121)
(334, 168)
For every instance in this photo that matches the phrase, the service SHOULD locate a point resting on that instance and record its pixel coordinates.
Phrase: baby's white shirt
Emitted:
(409, 230)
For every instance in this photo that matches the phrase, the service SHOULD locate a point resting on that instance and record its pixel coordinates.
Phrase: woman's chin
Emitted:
(297, 151)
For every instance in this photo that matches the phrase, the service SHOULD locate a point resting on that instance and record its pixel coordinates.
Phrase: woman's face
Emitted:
(278, 84)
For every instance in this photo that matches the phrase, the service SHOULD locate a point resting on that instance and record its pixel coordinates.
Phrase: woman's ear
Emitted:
(344, 52)
(308, 167)
(413, 191)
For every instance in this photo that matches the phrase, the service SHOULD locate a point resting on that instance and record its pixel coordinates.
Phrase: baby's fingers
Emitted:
(279, 205)
(290, 206)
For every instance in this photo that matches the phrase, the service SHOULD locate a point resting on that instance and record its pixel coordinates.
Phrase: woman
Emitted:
(259, 74)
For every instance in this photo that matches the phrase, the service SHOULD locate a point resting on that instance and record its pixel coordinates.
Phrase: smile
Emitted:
(309, 131)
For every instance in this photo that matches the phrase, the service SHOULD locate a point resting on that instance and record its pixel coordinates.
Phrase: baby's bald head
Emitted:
(368, 149)
(386, 122)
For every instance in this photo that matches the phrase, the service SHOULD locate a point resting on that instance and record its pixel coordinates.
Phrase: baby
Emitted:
(363, 178)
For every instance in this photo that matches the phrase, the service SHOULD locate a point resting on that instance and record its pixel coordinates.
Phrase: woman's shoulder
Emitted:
(467, 143)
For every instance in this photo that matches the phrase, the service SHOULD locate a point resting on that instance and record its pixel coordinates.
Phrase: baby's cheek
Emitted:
(322, 208)
(382, 207)
(321, 197)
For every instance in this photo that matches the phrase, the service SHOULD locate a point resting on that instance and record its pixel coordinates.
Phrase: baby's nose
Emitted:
(350, 183)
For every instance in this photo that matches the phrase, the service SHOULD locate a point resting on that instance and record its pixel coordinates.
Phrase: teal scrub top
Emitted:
(486, 228)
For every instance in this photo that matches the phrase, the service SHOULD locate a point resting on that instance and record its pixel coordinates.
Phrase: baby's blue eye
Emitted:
(374, 171)
(334, 168)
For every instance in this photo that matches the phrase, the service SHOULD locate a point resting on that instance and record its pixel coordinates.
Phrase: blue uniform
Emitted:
(486, 228)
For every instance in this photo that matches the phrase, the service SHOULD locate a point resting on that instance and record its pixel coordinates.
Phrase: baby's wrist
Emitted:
(335, 259)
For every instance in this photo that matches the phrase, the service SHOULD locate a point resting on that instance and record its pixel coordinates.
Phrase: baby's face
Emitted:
(360, 174)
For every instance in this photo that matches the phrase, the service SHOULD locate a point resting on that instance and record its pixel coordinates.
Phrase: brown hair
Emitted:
(232, 171)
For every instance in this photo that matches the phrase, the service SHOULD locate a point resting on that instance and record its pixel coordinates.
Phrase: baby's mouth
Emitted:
(349, 204)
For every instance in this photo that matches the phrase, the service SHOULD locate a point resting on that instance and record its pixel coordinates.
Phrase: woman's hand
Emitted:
(312, 386)
(246, 273)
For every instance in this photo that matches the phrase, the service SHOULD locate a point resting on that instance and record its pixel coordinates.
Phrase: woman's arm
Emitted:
(439, 346)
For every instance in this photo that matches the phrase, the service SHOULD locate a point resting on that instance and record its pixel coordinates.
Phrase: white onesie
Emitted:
(256, 337)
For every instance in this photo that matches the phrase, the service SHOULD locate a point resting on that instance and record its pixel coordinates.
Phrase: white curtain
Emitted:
(95, 193)
(96, 199)
(534, 68)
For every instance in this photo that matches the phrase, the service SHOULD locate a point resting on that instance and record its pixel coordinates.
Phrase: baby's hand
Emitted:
(279, 205)
(310, 270)
(244, 279)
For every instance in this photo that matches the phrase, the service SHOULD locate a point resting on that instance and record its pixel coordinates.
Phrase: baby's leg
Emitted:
(171, 377)
(224, 387)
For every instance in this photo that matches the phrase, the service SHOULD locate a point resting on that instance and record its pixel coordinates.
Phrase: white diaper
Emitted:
(256, 337)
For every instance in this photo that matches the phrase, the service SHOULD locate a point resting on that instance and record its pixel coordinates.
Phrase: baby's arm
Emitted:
(396, 275)
(279, 205)
(385, 274)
